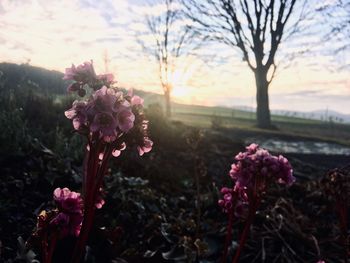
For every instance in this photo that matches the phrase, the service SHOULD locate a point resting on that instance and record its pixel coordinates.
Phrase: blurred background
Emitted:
(215, 75)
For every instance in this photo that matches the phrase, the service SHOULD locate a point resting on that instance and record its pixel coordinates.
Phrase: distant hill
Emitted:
(46, 81)
(50, 82)
(321, 115)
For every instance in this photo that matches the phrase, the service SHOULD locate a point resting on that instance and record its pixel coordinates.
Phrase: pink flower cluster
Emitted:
(254, 170)
(108, 113)
(230, 199)
(70, 215)
(84, 74)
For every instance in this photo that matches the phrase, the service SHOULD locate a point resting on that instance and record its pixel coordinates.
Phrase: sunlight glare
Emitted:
(179, 92)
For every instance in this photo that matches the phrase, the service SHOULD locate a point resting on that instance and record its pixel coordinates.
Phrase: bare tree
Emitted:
(337, 15)
(256, 28)
(171, 38)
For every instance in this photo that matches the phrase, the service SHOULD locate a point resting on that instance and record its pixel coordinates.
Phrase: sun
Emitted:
(178, 80)
(180, 92)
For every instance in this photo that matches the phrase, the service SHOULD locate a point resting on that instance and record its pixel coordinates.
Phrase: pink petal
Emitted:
(141, 152)
(76, 123)
(70, 114)
(116, 153)
(136, 100)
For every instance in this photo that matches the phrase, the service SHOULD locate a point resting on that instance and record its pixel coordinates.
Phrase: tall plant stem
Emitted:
(90, 200)
(228, 236)
(52, 248)
(245, 232)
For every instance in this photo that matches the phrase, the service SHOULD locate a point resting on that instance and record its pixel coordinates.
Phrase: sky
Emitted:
(54, 34)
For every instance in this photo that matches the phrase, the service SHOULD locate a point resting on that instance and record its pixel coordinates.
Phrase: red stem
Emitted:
(96, 176)
(44, 248)
(53, 242)
(245, 232)
(228, 236)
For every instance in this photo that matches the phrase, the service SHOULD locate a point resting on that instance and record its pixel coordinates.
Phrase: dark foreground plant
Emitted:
(254, 171)
(110, 121)
(336, 185)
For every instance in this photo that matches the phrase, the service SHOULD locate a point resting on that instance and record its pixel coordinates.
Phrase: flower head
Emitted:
(67, 201)
(145, 147)
(107, 79)
(105, 124)
(83, 73)
(253, 171)
(77, 114)
(258, 164)
(107, 114)
(70, 214)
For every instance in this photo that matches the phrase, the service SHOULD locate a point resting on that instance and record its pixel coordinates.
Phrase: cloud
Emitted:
(54, 34)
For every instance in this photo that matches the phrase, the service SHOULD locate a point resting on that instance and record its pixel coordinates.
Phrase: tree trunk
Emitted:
(262, 98)
(167, 104)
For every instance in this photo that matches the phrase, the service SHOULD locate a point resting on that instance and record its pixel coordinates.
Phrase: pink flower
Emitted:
(259, 162)
(83, 73)
(136, 100)
(115, 117)
(106, 125)
(252, 148)
(78, 114)
(67, 201)
(117, 151)
(146, 147)
(70, 216)
(125, 119)
(100, 202)
(227, 202)
(104, 100)
(106, 78)
(253, 170)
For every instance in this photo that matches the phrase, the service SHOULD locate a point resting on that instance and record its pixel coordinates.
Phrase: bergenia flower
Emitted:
(253, 171)
(227, 200)
(116, 118)
(67, 201)
(104, 100)
(83, 73)
(99, 199)
(257, 162)
(107, 79)
(136, 100)
(70, 214)
(125, 119)
(105, 125)
(146, 147)
(117, 151)
(78, 114)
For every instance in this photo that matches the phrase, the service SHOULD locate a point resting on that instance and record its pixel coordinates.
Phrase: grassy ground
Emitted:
(243, 123)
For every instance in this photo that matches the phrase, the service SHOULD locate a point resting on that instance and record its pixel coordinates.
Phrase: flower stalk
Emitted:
(110, 121)
(254, 171)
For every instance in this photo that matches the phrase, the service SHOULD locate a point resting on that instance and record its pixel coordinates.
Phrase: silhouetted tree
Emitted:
(171, 38)
(256, 28)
